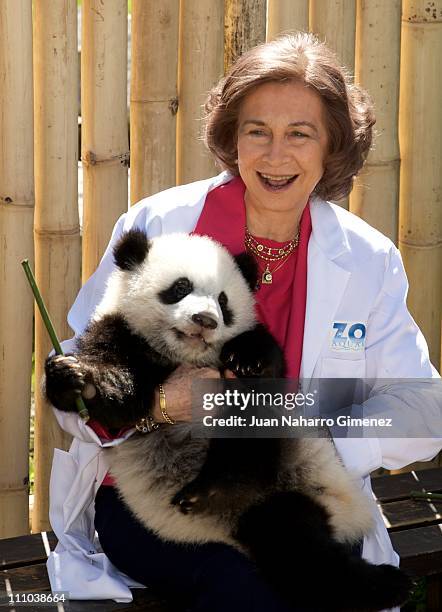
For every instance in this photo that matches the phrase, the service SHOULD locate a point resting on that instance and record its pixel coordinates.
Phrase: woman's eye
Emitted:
(299, 134)
(257, 132)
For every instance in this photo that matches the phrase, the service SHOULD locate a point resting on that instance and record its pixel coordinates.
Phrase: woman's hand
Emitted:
(178, 391)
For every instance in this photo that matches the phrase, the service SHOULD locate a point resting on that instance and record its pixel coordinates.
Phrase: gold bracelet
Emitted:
(166, 417)
(146, 425)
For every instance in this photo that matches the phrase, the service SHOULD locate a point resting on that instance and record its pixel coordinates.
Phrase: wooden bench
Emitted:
(415, 527)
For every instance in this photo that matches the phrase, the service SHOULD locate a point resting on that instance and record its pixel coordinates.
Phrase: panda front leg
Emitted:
(108, 390)
(290, 539)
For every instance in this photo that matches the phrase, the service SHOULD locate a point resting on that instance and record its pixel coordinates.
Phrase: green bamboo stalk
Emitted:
(82, 410)
(426, 495)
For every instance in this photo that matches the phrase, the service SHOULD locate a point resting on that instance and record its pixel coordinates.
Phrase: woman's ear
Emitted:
(249, 268)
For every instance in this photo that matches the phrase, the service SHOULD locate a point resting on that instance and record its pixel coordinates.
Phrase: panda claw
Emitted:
(186, 506)
(67, 359)
(192, 505)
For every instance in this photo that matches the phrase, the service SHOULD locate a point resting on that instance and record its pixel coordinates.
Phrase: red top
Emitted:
(281, 305)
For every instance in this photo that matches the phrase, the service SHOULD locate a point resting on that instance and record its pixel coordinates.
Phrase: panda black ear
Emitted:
(131, 249)
(249, 268)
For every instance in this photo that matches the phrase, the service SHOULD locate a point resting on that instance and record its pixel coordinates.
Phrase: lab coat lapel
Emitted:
(188, 205)
(326, 282)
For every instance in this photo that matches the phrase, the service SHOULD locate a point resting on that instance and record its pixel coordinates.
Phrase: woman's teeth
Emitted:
(277, 181)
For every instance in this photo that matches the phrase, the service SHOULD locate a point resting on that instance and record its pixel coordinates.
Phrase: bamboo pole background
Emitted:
(335, 22)
(244, 27)
(420, 138)
(16, 302)
(200, 65)
(375, 195)
(56, 223)
(153, 99)
(286, 15)
(104, 148)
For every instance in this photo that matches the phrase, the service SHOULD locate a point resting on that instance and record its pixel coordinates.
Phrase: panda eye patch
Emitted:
(177, 291)
(227, 313)
(222, 299)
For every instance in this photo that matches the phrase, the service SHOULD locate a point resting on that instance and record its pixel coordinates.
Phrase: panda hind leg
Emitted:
(290, 539)
(234, 468)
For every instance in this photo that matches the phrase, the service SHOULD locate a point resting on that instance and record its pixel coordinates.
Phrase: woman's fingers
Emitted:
(229, 374)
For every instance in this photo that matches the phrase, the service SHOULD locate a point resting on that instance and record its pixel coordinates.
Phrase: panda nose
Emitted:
(204, 320)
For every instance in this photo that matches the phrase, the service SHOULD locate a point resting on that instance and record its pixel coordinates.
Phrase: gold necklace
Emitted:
(267, 275)
(266, 254)
(269, 253)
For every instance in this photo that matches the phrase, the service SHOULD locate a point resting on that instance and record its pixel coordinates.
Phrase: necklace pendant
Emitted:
(267, 277)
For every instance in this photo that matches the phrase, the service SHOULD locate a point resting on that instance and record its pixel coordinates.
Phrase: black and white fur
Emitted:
(288, 504)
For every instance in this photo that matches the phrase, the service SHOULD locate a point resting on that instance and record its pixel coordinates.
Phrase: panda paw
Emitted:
(254, 354)
(389, 587)
(65, 380)
(383, 587)
(244, 366)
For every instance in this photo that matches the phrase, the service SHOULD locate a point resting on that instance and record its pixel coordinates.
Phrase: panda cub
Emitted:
(286, 503)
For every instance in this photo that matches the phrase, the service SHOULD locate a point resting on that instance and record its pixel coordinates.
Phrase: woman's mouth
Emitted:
(276, 182)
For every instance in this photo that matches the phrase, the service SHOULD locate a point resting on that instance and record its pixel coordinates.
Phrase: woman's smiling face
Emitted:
(282, 144)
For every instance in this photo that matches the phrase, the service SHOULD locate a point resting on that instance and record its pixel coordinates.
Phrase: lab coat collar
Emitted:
(326, 280)
(182, 212)
(327, 229)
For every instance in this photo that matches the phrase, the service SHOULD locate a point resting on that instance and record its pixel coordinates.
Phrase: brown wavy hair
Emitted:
(301, 57)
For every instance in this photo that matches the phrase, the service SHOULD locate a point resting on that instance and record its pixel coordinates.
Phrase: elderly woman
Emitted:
(290, 131)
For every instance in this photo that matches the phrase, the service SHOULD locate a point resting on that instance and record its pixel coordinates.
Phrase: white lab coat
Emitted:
(355, 274)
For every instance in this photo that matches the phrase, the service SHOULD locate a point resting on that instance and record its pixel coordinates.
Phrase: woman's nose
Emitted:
(277, 151)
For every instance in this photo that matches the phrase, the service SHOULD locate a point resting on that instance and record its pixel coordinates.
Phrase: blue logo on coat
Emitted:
(348, 336)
